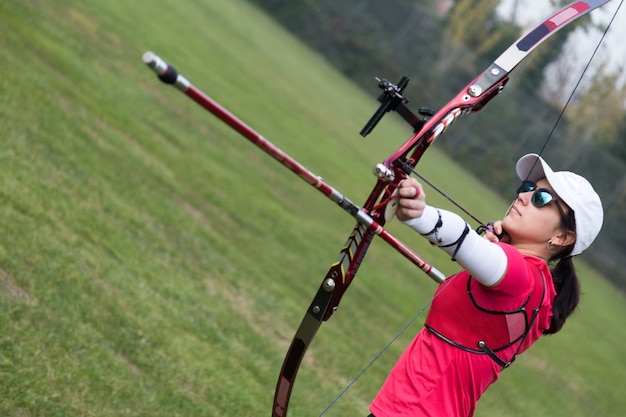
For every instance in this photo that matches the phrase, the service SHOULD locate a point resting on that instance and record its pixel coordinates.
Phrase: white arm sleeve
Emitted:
(484, 260)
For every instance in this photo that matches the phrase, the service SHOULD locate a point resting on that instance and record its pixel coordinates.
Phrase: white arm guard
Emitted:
(484, 260)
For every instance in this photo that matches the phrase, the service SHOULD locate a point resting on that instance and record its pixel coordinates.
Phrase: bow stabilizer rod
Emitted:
(169, 75)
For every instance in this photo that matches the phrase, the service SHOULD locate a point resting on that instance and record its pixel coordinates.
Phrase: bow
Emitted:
(379, 207)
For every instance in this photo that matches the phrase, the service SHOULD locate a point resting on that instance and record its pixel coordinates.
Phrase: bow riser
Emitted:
(376, 203)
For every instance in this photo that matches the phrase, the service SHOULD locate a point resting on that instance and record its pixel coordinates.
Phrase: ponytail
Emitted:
(565, 281)
(567, 293)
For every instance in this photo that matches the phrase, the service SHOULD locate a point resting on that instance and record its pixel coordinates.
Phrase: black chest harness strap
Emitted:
(482, 346)
(529, 324)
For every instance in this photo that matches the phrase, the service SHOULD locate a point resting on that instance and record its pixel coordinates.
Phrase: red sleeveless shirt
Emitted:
(462, 319)
(434, 377)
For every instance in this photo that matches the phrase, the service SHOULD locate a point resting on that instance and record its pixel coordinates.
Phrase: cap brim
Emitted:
(532, 167)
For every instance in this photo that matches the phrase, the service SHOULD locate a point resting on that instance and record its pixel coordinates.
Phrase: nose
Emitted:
(523, 198)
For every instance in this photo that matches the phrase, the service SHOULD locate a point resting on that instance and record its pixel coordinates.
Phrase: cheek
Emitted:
(511, 222)
(532, 222)
(549, 218)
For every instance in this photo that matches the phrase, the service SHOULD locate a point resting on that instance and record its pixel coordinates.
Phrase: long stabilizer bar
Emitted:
(169, 75)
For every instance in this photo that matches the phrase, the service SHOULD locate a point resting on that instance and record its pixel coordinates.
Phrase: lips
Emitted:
(513, 209)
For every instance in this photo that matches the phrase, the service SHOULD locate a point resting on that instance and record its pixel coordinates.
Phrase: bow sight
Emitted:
(392, 99)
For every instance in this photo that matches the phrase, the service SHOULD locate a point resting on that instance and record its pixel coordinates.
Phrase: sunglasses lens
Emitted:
(541, 198)
(526, 187)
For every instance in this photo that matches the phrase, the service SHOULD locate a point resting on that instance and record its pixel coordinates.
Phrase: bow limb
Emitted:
(490, 82)
(327, 298)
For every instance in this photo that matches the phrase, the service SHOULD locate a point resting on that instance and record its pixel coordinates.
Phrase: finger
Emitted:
(410, 188)
(498, 230)
(491, 237)
(409, 191)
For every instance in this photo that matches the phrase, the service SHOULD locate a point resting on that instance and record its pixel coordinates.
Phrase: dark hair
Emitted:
(565, 280)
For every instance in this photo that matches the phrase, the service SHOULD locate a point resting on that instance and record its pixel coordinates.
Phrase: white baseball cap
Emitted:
(572, 189)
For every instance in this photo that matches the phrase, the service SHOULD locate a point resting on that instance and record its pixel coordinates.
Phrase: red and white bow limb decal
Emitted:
(376, 210)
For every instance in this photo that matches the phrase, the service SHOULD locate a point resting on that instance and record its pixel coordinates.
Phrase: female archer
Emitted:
(505, 297)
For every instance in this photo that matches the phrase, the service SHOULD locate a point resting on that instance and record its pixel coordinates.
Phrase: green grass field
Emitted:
(154, 263)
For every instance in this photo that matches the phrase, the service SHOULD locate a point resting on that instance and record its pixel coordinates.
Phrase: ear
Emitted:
(564, 238)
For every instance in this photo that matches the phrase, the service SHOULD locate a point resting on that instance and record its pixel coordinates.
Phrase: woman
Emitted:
(502, 301)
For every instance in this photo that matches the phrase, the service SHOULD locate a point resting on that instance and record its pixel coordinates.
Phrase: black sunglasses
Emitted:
(541, 197)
